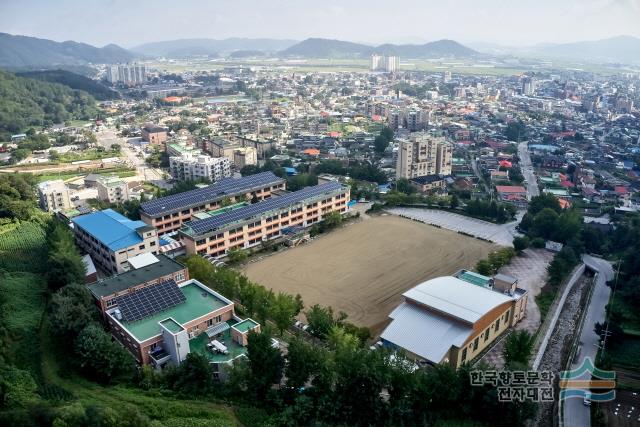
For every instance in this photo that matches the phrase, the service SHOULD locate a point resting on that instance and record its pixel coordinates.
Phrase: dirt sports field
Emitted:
(364, 268)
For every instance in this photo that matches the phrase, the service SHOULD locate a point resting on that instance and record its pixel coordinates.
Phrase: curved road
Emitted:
(576, 414)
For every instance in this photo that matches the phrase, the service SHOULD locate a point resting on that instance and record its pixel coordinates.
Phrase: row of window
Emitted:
(485, 335)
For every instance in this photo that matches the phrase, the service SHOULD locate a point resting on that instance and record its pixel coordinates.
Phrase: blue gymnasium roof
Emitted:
(199, 227)
(220, 189)
(112, 229)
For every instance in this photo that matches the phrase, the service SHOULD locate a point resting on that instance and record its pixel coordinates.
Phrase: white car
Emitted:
(586, 401)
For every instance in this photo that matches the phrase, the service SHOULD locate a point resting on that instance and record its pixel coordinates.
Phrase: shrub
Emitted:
(537, 243)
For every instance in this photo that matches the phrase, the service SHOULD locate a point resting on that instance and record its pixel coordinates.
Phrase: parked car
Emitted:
(586, 401)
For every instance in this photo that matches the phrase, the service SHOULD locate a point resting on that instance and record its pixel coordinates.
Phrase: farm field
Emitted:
(21, 247)
(364, 268)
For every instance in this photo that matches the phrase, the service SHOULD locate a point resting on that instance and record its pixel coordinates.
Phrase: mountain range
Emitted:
(326, 48)
(211, 47)
(625, 49)
(23, 51)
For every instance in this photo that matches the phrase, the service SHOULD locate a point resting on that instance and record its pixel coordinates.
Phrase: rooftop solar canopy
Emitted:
(150, 300)
(228, 186)
(200, 227)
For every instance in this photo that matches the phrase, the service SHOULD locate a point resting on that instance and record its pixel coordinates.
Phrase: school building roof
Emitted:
(110, 228)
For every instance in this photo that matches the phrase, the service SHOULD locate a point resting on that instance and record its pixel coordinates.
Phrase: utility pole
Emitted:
(608, 315)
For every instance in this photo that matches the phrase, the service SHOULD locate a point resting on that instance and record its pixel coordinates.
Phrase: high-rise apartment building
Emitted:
(54, 195)
(528, 86)
(127, 74)
(388, 64)
(189, 167)
(423, 154)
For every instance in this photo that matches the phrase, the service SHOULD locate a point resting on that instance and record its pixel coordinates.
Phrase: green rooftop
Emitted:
(199, 302)
(475, 278)
(199, 345)
(172, 325)
(245, 325)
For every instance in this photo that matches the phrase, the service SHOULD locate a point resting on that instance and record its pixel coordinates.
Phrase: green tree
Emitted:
(380, 143)
(332, 219)
(545, 223)
(99, 358)
(387, 132)
(237, 256)
(195, 376)
(454, 202)
(265, 364)
(403, 185)
(303, 360)
(544, 200)
(19, 154)
(518, 347)
(320, 320)
(71, 310)
(484, 267)
(283, 310)
(520, 243)
(64, 264)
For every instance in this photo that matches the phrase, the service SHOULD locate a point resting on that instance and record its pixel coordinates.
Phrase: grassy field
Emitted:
(72, 156)
(363, 268)
(21, 245)
(161, 408)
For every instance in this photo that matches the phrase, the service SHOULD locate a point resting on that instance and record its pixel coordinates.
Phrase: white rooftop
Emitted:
(425, 333)
(456, 298)
(143, 260)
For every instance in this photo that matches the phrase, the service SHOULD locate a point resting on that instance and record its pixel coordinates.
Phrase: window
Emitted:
(111, 302)
(497, 324)
(506, 316)
(179, 277)
(464, 354)
(486, 335)
(141, 247)
(152, 244)
(218, 319)
(209, 322)
(475, 344)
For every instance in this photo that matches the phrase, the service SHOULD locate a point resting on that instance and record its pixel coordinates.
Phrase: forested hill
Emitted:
(74, 81)
(30, 102)
(23, 51)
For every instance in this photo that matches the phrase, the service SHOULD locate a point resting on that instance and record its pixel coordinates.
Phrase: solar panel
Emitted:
(150, 300)
(202, 226)
(225, 187)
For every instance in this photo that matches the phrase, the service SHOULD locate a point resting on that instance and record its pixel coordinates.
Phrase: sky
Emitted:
(129, 23)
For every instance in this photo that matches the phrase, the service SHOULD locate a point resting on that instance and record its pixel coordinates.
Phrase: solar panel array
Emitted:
(225, 187)
(202, 226)
(150, 300)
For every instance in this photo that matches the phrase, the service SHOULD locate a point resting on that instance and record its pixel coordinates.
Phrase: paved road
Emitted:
(501, 234)
(527, 170)
(107, 137)
(575, 413)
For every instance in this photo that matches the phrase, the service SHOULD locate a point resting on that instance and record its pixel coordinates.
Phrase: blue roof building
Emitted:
(111, 239)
